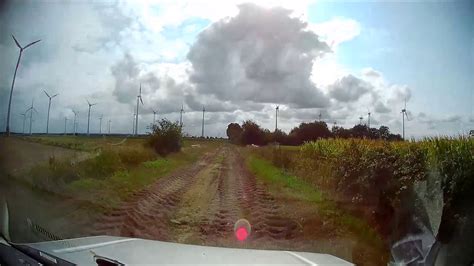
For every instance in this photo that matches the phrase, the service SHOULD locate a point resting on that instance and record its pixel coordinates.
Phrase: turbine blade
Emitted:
(47, 94)
(31, 44)
(140, 90)
(17, 44)
(141, 100)
(55, 95)
(88, 102)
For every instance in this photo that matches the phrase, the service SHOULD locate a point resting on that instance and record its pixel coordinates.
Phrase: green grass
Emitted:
(286, 185)
(281, 180)
(108, 192)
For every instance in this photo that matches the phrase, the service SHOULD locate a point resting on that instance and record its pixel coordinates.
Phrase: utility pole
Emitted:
(203, 110)
(7, 130)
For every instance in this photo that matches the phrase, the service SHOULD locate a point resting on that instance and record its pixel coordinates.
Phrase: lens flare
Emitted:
(242, 229)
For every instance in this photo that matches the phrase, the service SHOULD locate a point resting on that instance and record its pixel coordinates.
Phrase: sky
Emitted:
(240, 59)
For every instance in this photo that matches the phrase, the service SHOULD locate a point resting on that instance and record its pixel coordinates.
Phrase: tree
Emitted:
(309, 132)
(252, 133)
(165, 137)
(234, 133)
(384, 132)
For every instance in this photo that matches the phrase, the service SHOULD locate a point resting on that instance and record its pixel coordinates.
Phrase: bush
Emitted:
(165, 137)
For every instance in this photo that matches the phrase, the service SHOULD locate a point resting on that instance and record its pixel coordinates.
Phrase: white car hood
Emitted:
(133, 251)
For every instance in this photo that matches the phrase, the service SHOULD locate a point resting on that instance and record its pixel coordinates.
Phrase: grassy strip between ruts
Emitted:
(293, 187)
(107, 193)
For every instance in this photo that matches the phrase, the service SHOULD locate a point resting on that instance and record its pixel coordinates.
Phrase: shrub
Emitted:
(165, 137)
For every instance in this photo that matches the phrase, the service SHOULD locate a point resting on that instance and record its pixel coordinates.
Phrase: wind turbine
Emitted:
(75, 125)
(404, 114)
(139, 99)
(360, 120)
(320, 115)
(65, 125)
(49, 107)
(89, 115)
(13, 81)
(203, 110)
(31, 109)
(368, 117)
(24, 120)
(110, 121)
(133, 124)
(100, 124)
(154, 115)
(277, 108)
(181, 116)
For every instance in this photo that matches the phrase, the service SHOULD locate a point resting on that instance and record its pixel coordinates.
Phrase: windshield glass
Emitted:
(343, 128)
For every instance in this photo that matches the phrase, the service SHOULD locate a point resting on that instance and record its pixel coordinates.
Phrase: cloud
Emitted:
(337, 30)
(349, 89)
(371, 73)
(260, 55)
(381, 108)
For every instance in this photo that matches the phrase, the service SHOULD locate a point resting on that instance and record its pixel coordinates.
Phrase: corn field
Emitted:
(386, 181)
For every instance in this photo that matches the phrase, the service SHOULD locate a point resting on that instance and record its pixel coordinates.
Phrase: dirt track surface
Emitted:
(200, 204)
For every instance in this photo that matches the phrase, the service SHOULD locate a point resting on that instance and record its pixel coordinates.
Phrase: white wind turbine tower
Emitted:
(368, 117)
(65, 125)
(181, 116)
(110, 121)
(100, 124)
(203, 111)
(404, 114)
(13, 81)
(31, 109)
(154, 116)
(75, 125)
(89, 115)
(133, 124)
(139, 99)
(277, 109)
(49, 107)
(24, 120)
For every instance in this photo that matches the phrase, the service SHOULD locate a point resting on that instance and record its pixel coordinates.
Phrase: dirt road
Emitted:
(200, 204)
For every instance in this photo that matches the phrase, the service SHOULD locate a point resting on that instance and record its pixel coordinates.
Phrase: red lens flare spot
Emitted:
(242, 229)
(241, 234)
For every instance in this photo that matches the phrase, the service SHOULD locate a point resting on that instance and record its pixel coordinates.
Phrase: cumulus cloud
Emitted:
(371, 73)
(349, 88)
(337, 30)
(381, 108)
(260, 55)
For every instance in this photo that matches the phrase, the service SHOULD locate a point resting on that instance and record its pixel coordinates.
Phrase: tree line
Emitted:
(252, 133)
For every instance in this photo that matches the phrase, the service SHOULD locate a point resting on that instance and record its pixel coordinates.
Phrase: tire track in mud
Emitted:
(200, 205)
(239, 195)
(147, 214)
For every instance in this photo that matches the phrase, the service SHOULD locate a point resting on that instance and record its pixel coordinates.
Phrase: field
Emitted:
(332, 196)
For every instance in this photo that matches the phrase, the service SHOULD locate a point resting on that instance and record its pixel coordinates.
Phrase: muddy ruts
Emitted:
(239, 195)
(146, 215)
